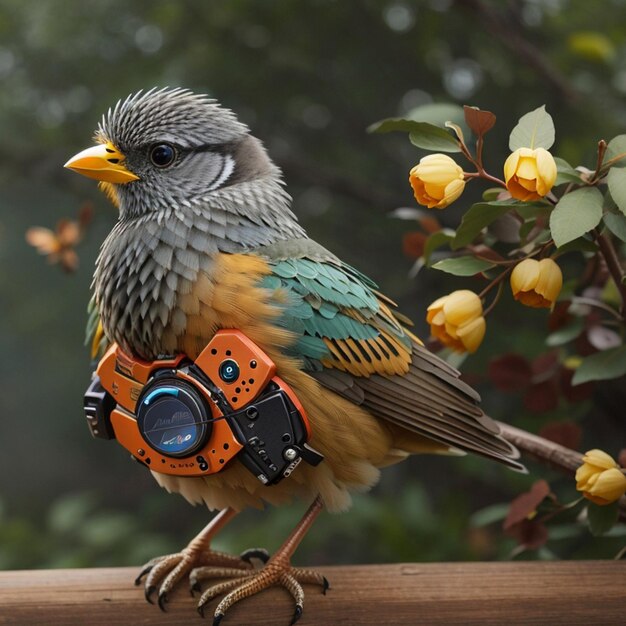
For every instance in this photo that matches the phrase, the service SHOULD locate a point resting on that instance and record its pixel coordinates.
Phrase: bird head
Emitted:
(166, 147)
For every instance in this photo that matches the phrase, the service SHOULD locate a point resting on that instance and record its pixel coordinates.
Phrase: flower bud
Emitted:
(599, 478)
(457, 320)
(529, 174)
(437, 181)
(537, 283)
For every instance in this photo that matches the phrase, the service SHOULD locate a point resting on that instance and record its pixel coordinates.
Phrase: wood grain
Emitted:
(543, 593)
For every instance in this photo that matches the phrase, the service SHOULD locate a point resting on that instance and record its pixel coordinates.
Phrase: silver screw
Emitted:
(290, 454)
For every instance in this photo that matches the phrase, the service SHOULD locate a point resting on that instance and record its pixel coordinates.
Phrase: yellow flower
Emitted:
(537, 283)
(599, 478)
(529, 174)
(437, 181)
(457, 320)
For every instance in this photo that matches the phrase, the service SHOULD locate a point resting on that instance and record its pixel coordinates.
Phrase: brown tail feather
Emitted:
(429, 400)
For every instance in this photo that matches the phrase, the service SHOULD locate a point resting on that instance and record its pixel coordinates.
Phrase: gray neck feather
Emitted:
(148, 260)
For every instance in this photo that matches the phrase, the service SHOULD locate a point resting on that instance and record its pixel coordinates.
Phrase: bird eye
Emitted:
(162, 154)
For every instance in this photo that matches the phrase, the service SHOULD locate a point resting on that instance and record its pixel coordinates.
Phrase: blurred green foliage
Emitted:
(308, 77)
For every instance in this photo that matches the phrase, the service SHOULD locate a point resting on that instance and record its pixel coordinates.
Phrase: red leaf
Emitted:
(85, 215)
(566, 434)
(413, 244)
(429, 223)
(529, 533)
(480, 122)
(559, 317)
(576, 394)
(544, 363)
(510, 372)
(526, 503)
(582, 345)
(542, 397)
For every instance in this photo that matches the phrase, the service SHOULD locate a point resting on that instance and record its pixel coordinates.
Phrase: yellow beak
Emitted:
(102, 162)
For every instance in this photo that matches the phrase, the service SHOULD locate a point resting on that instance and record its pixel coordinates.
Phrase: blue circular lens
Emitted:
(172, 418)
(229, 371)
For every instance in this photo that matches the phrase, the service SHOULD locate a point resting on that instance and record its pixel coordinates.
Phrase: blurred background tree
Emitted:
(308, 77)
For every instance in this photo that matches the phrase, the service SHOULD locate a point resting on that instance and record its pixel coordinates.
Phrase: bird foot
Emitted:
(164, 572)
(243, 585)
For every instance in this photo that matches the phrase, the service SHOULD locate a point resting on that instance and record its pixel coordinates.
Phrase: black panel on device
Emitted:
(98, 404)
(273, 435)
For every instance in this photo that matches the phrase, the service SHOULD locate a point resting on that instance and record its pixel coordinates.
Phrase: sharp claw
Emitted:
(148, 591)
(255, 553)
(200, 610)
(326, 585)
(142, 573)
(195, 587)
(296, 615)
(162, 601)
(217, 618)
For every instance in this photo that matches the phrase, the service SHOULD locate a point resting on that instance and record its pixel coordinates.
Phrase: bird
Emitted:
(206, 239)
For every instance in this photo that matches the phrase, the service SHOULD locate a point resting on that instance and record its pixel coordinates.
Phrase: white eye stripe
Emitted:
(228, 166)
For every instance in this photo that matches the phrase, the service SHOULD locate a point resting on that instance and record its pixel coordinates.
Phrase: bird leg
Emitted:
(166, 571)
(277, 571)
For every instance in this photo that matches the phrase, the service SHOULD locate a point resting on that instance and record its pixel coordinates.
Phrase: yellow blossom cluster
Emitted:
(437, 180)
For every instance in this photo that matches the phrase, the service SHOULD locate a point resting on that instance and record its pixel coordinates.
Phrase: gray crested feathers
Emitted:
(172, 115)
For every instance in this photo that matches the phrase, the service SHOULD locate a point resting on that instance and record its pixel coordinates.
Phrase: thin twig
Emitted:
(496, 281)
(613, 264)
(598, 305)
(602, 145)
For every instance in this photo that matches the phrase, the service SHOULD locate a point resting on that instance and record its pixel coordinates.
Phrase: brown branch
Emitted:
(553, 454)
(502, 29)
(550, 453)
(613, 264)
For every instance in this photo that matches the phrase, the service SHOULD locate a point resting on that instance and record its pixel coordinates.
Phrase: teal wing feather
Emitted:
(338, 317)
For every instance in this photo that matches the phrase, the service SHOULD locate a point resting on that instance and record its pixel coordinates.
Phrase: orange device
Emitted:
(191, 418)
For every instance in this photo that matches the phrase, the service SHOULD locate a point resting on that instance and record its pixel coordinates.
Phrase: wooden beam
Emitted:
(571, 592)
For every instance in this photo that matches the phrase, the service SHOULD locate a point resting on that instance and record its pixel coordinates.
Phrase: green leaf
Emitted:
(463, 266)
(575, 214)
(529, 210)
(422, 134)
(602, 518)
(566, 334)
(565, 172)
(534, 130)
(431, 137)
(582, 244)
(436, 240)
(617, 186)
(491, 194)
(438, 113)
(616, 223)
(478, 217)
(603, 365)
(394, 124)
(616, 150)
(489, 515)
